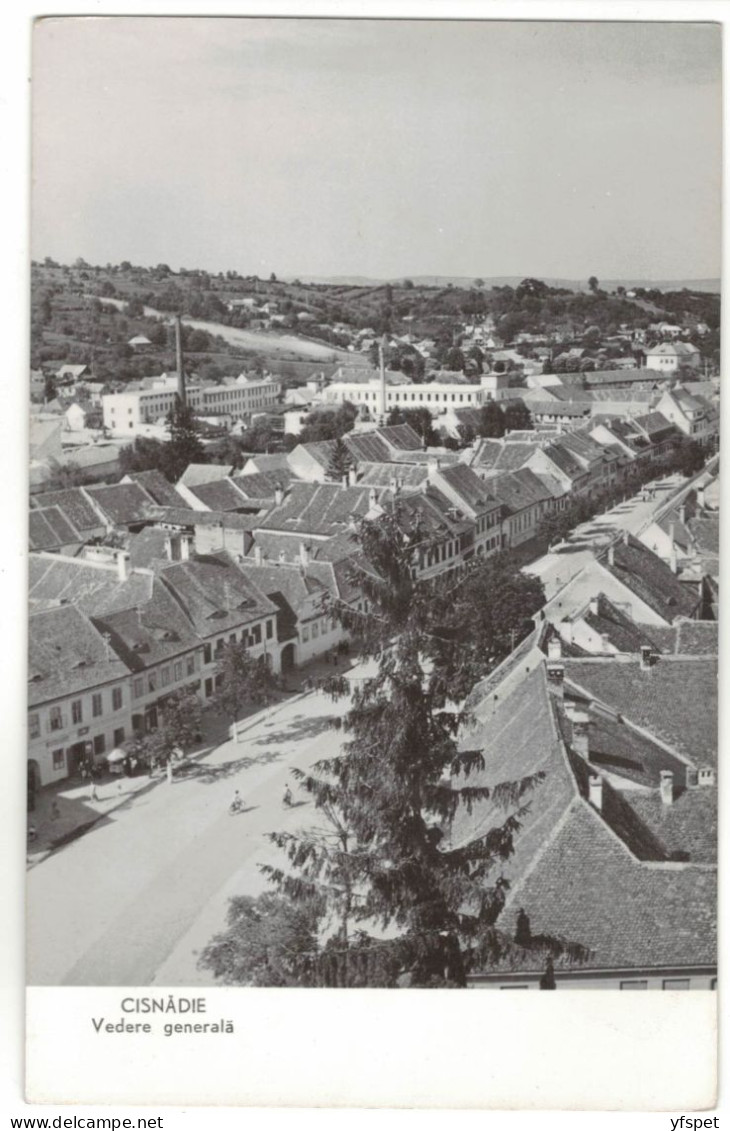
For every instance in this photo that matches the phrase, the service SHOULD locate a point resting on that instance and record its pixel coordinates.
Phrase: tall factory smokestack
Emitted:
(178, 353)
(383, 397)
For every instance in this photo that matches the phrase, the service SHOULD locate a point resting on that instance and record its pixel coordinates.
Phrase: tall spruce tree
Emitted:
(387, 863)
(185, 446)
(340, 462)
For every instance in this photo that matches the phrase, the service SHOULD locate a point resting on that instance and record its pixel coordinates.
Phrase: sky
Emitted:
(379, 148)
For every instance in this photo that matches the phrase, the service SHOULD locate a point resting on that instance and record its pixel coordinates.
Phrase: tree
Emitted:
(420, 420)
(517, 416)
(487, 615)
(593, 283)
(268, 941)
(240, 679)
(455, 360)
(479, 283)
(340, 462)
(396, 786)
(185, 446)
(49, 387)
(491, 420)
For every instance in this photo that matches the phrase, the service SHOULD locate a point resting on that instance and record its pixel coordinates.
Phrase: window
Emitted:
(152, 682)
(116, 698)
(76, 712)
(99, 744)
(165, 676)
(207, 654)
(232, 638)
(634, 984)
(208, 688)
(675, 984)
(119, 736)
(177, 670)
(256, 633)
(305, 635)
(315, 631)
(59, 759)
(138, 687)
(34, 725)
(190, 664)
(96, 704)
(269, 629)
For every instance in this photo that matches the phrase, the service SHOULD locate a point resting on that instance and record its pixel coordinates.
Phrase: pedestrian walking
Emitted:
(93, 793)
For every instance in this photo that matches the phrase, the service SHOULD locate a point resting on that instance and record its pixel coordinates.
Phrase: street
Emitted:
(129, 902)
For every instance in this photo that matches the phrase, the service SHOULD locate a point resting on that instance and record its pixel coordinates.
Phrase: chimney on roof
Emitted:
(666, 787)
(555, 668)
(303, 554)
(352, 476)
(611, 555)
(646, 657)
(372, 498)
(706, 776)
(258, 555)
(555, 648)
(701, 497)
(394, 484)
(593, 606)
(168, 547)
(683, 512)
(626, 537)
(595, 791)
(580, 726)
(185, 545)
(605, 642)
(122, 565)
(278, 496)
(282, 556)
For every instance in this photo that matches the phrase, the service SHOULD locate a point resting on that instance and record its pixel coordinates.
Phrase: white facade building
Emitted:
(127, 413)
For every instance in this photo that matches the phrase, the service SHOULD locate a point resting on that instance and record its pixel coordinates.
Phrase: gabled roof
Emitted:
(66, 655)
(519, 489)
(559, 408)
(49, 529)
(222, 495)
(468, 486)
(264, 484)
(650, 579)
(183, 516)
(383, 474)
(215, 593)
(617, 627)
(318, 450)
(75, 506)
(160, 490)
(318, 508)
(154, 631)
(90, 586)
(675, 700)
(196, 473)
(564, 460)
(496, 455)
(656, 426)
(122, 503)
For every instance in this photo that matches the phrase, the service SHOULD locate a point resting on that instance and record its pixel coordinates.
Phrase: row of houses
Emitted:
(612, 703)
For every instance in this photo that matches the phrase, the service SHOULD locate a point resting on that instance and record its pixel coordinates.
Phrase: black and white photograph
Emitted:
(373, 507)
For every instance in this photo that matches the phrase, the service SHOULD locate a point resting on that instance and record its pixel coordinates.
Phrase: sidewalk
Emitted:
(64, 810)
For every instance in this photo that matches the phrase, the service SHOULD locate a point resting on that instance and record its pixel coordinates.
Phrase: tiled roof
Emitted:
(559, 408)
(564, 459)
(123, 503)
(675, 699)
(687, 827)
(273, 461)
(318, 508)
(91, 587)
(588, 889)
(158, 487)
(223, 495)
(147, 548)
(297, 585)
(494, 455)
(197, 473)
(215, 593)
(264, 484)
(400, 437)
(650, 579)
(185, 516)
(382, 474)
(633, 395)
(67, 654)
(318, 450)
(655, 425)
(49, 529)
(75, 506)
(467, 484)
(518, 490)
(621, 376)
(619, 629)
(706, 533)
(154, 631)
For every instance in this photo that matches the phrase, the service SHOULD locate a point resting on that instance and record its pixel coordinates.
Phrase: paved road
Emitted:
(114, 906)
(251, 339)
